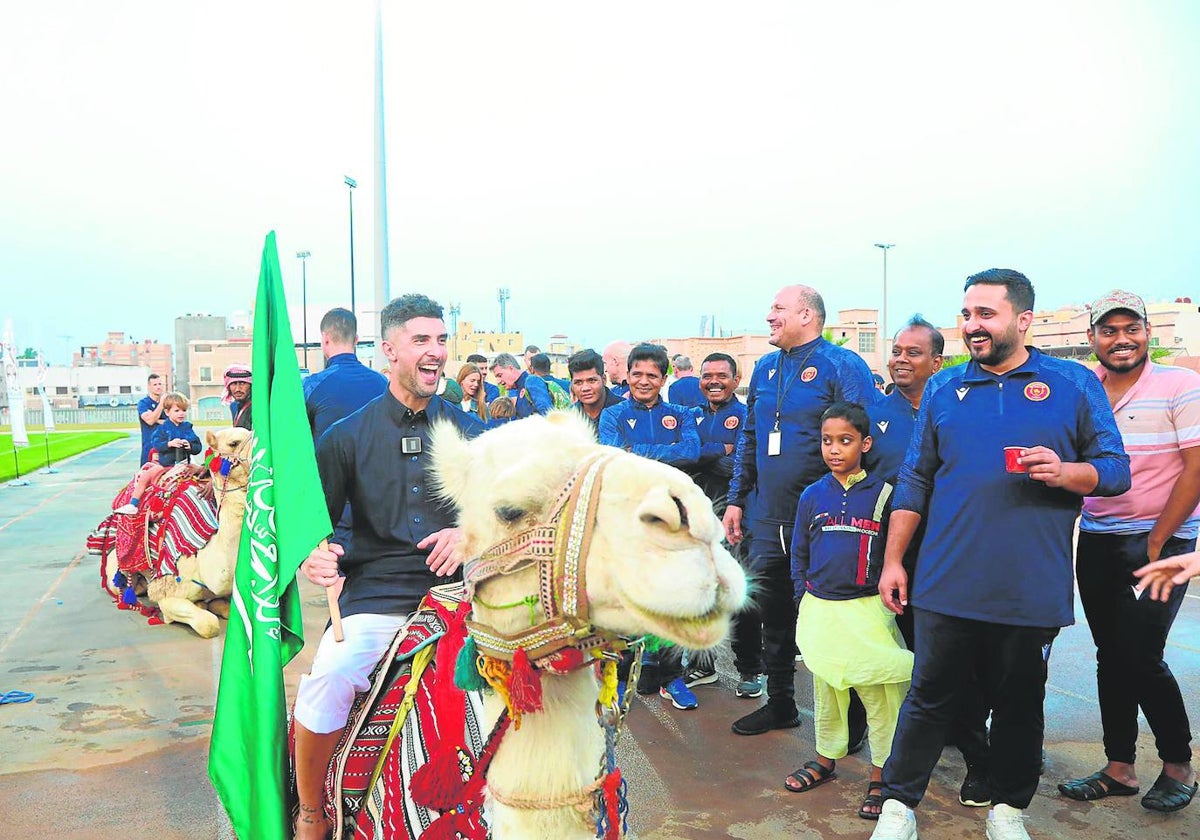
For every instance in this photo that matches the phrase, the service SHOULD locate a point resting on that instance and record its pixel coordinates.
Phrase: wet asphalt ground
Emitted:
(115, 741)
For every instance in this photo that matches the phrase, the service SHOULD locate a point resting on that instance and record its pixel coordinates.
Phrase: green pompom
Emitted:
(466, 672)
(654, 643)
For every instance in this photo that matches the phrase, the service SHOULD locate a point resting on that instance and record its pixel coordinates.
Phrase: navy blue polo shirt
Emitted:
(532, 396)
(342, 388)
(892, 422)
(801, 383)
(686, 391)
(717, 427)
(840, 534)
(997, 545)
(663, 432)
(147, 403)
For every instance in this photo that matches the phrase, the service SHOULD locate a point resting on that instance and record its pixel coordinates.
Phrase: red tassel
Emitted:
(453, 826)
(525, 684)
(438, 784)
(612, 802)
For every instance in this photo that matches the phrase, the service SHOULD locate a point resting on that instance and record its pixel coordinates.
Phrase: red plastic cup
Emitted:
(1011, 455)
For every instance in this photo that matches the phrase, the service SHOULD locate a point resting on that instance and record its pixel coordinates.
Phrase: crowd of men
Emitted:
(992, 462)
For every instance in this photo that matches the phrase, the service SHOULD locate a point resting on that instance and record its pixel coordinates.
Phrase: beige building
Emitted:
(208, 360)
(1063, 331)
(116, 350)
(468, 340)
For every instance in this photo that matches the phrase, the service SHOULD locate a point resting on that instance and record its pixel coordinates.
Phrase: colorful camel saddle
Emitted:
(176, 518)
(395, 727)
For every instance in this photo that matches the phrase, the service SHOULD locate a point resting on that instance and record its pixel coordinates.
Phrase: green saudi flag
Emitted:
(285, 519)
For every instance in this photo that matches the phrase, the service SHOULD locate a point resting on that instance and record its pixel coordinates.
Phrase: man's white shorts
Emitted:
(340, 670)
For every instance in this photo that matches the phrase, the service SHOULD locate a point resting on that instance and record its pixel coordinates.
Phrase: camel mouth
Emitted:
(695, 631)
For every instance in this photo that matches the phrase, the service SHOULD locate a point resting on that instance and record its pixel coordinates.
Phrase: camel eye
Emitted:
(509, 514)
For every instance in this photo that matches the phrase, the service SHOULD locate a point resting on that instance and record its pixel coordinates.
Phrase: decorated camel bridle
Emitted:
(512, 664)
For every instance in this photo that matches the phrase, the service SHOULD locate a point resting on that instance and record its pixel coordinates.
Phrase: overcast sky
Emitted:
(624, 168)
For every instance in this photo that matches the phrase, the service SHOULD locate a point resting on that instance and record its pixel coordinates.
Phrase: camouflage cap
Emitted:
(1114, 300)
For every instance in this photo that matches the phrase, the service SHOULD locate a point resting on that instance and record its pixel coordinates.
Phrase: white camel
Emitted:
(205, 580)
(654, 564)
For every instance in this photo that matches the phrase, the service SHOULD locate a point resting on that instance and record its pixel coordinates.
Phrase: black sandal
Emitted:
(873, 799)
(1169, 795)
(1093, 787)
(812, 774)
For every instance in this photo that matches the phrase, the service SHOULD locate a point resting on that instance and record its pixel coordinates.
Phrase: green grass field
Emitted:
(63, 444)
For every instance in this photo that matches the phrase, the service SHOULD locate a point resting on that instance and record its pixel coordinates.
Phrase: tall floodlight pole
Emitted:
(883, 313)
(351, 183)
(303, 257)
(455, 311)
(503, 298)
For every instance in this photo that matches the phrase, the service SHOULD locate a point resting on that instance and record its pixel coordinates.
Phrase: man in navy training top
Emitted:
(685, 390)
(150, 412)
(719, 422)
(777, 456)
(647, 426)
(528, 392)
(377, 459)
(490, 391)
(616, 360)
(539, 364)
(342, 388)
(587, 387)
(996, 577)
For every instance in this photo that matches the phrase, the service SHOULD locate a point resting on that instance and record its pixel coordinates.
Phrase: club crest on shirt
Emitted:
(669, 422)
(1037, 391)
(731, 422)
(808, 374)
(882, 424)
(631, 422)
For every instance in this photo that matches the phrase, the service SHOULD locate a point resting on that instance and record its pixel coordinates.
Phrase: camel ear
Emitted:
(451, 457)
(210, 438)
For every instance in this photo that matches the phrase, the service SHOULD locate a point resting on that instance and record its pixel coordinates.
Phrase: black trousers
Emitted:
(1011, 666)
(768, 627)
(745, 635)
(1130, 634)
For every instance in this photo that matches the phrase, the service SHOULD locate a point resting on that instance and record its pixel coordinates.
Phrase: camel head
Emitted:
(655, 563)
(233, 446)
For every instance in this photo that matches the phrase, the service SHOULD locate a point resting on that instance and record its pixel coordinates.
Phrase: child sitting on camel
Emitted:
(174, 440)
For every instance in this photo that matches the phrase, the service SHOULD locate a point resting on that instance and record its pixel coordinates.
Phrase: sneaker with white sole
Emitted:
(1006, 823)
(127, 510)
(976, 790)
(679, 694)
(896, 822)
(750, 685)
(699, 676)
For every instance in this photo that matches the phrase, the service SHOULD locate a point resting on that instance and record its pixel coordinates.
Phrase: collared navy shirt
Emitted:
(997, 545)
(686, 391)
(810, 377)
(361, 462)
(663, 432)
(610, 399)
(717, 427)
(892, 422)
(165, 432)
(147, 403)
(342, 388)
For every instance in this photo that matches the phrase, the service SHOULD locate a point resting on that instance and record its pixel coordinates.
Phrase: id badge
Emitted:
(774, 442)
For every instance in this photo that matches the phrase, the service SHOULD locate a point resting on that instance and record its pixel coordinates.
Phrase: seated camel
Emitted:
(573, 549)
(199, 591)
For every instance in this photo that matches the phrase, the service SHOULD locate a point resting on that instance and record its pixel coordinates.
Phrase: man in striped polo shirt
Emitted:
(1158, 412)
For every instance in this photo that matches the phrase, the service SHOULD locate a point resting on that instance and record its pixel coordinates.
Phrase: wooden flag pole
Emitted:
(335, 612)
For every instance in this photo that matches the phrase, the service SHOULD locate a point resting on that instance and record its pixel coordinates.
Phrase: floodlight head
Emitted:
(350, 182)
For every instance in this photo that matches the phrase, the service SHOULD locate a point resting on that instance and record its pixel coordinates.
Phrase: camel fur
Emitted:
(656, 565)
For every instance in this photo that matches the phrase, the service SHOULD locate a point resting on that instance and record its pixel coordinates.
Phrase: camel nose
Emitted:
(661, 507)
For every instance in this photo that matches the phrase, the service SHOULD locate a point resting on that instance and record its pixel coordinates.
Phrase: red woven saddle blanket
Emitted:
(365, 811)
(176, 518)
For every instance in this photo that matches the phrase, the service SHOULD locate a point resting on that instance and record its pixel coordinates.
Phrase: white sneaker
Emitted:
(127, 510)
(1006, 823)
(896, 822)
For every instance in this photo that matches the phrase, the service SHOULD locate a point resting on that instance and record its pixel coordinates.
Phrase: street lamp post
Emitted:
(303, 257)
(455, 311)
(351, 183)
(883, 314)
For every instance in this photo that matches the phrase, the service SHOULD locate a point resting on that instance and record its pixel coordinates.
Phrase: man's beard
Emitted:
(1003, 346)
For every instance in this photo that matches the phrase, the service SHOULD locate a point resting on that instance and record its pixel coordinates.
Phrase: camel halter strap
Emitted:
(559, 547)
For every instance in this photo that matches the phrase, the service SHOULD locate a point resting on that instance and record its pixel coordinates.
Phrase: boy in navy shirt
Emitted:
(847, 636)
(175, 439)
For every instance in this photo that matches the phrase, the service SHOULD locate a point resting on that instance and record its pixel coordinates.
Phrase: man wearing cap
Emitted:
(237, 393)
(1158, 412)
(1004, 450)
